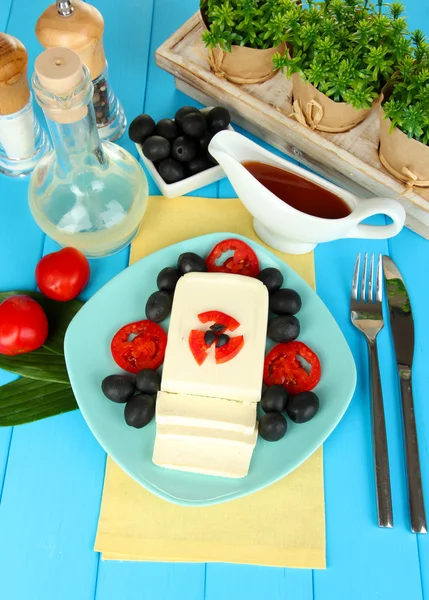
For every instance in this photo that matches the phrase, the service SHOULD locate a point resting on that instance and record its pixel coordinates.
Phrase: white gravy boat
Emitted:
(283, 227)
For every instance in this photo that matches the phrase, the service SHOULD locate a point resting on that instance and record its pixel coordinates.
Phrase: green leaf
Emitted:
(59, 315)
(40, 364)
(27, 400)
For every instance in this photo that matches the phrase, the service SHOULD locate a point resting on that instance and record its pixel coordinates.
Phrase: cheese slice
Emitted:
(243, 298)
(206, 451)
(200, 411)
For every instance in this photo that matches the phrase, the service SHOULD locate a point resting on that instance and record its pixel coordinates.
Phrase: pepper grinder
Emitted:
(80, 27)
(22, 140)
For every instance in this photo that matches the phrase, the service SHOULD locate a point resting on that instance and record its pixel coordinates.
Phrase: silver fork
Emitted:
(367, 316)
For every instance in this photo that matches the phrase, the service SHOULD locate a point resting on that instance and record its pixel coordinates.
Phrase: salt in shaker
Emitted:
(22, 140)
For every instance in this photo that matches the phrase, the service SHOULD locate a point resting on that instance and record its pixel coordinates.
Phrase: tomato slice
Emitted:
(198, 346)
(282, 367)
(144, 351)
(220, 318)
(230, 350)
(243, 262)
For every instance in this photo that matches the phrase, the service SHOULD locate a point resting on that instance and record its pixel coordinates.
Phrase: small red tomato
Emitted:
(62, 275)
(23, 325)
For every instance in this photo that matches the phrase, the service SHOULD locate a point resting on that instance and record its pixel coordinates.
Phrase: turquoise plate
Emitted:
(121, 301)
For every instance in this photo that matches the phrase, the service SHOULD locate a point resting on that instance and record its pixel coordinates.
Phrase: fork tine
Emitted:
(371, 281)
(363, 282)
(356, 278)
(379, 284)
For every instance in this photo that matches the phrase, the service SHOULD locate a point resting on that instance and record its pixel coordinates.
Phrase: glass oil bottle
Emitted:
(85, 193)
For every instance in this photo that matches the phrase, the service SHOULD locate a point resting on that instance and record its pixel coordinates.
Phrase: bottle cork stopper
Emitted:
(59, 71)
(14, 87)
(81, 31)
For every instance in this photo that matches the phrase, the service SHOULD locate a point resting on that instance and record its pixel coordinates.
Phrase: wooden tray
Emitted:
(348, 159)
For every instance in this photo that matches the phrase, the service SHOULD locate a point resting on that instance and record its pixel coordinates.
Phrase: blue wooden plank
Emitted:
(21, 241)
(157, 581)
(230, 582)
(49, 511)
(59, 529)
(5, 9)
(407, 250)
(364, 560)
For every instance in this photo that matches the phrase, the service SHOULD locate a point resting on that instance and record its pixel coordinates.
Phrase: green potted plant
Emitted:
(404, 117)
(342, 53)
(242, 36)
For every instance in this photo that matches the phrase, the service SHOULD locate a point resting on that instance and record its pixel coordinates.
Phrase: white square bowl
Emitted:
(190, 184)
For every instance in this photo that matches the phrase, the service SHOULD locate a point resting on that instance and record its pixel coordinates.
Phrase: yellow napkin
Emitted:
(282, 525)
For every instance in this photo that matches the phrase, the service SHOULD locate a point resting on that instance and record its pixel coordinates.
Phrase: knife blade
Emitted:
(402, 326)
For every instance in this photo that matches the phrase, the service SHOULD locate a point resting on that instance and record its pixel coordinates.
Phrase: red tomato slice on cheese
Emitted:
(220, 318)
(198, 346)
(230, 350)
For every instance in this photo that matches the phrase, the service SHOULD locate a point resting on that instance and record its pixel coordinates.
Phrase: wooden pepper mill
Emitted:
(22, 141)
(79, 27)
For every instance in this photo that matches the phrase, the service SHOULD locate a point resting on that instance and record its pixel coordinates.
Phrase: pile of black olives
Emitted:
(158, 305)
(284, 303)
(178, 148)
(275, 401)
(137, 393)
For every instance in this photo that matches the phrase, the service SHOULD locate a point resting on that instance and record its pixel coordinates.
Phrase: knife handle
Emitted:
(381, 456)
(415, 489)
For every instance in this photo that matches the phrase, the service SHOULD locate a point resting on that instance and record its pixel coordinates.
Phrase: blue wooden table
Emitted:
(51, 472)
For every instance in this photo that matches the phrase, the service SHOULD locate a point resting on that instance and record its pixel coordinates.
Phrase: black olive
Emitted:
(156, 147)
(182, 112)
(218, 119)
(199, 164)
(222, 340)
(302, 407)
(118, 388)
(271, 278)
(285, 302)
(194, 125)
(184, 149)
(139, 411)
(203, 142)
(212, 159)
(158, 306)
(189, 261)
(148, 381)
(167, 129)
(167, 279)
(209, 337)
(141, 128)
(171, 170)
(274, 399)
(272, 427)
(218, 328)
(284, 329)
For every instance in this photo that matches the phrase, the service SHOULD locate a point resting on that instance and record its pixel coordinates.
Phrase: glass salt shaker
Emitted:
(88, 194)
(22, 140)
(80, 27)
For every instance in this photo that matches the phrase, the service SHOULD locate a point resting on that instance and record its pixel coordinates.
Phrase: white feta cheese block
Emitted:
(199, 411)
(206, 451)
(243, 298)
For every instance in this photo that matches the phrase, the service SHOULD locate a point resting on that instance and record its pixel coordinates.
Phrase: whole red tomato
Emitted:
(62, 275)
(23, 325)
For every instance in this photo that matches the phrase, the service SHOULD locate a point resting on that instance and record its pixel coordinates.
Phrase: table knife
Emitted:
(402, 326)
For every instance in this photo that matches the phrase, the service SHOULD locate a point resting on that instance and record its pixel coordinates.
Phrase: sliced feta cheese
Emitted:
(243, 298)
(207, 451)
(200, 411)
